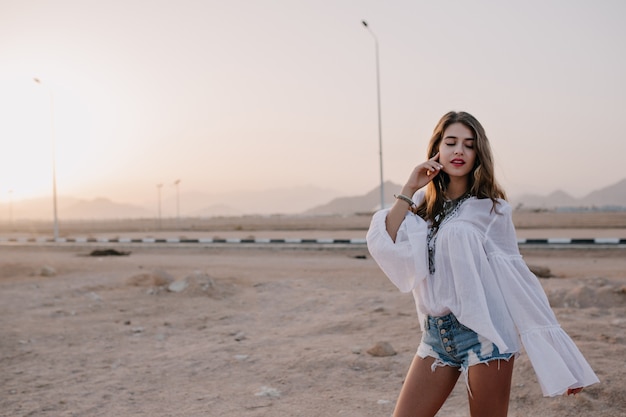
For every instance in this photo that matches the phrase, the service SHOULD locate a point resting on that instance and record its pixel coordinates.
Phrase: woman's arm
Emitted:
(421, 175)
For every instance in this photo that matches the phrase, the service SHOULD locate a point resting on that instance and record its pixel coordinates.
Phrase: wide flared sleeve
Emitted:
(405, 261)
(557, 361)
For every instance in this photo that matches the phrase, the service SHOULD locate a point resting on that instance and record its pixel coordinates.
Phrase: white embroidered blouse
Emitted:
(480, 276)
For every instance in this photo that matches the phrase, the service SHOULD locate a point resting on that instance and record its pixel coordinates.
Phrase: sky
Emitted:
(242, 95)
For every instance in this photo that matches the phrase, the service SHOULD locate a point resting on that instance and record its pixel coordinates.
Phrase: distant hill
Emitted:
(39, 208)
(293, 200)
(75, 209)
(284, 201)
(104, 209)
(613, 195)
(216, 210)
(610, 197)
(367, 203)
(554, 199)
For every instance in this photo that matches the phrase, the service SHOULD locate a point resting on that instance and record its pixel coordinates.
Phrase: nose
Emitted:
(458, 150)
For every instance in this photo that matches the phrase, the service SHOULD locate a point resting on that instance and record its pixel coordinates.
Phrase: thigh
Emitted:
(424, 391)
(490, 388)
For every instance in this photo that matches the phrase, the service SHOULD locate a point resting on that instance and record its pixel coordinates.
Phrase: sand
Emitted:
(259, 331)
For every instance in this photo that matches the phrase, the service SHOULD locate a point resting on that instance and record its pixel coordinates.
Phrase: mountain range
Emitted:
(290, 201)
(612, 197)
(606, 198)
(191, 204)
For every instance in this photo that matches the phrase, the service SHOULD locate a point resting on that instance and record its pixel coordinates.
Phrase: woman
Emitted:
(454, 246)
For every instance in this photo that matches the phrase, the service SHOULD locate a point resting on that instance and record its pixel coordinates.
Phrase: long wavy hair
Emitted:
(482, 182)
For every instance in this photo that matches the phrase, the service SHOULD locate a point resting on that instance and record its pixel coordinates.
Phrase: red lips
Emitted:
(457, 161)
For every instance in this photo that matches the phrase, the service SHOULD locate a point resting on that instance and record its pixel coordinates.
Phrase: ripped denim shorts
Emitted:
(453, 344)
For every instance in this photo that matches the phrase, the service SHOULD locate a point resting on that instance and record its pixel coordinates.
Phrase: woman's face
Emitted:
(456, 150)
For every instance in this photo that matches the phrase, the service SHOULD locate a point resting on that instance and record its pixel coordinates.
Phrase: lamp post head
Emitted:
(364, 23)
(37, 80)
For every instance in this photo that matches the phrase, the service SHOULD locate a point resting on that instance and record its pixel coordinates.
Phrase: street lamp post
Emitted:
(159, 186)
(54, 169)
(11, 207)
(380, 133)
(176, 184)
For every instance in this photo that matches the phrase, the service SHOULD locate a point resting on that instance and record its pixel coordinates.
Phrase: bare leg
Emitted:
(490, 386)
(425, 391)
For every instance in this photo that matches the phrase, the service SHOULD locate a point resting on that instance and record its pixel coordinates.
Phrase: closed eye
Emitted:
(469, 144)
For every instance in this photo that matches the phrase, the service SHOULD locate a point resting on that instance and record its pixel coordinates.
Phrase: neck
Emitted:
(456, 188)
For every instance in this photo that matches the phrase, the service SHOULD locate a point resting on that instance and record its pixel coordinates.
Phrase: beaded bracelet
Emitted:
(405, 199)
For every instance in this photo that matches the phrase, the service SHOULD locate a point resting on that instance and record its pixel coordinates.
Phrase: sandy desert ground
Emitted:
(261, 330)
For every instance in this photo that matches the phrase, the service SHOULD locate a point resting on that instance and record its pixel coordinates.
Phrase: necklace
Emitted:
(449, 211)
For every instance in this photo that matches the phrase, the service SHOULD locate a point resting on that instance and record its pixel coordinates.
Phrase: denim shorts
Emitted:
(453, 344)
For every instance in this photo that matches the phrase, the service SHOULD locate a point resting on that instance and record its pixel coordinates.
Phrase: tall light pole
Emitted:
(380, 131)
(176, 184)
(159, 186)
(54, 169)
(11, 207)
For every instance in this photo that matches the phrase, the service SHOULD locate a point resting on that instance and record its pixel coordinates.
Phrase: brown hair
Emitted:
(482, 182)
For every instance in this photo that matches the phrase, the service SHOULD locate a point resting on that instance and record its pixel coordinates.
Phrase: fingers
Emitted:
(432, 166)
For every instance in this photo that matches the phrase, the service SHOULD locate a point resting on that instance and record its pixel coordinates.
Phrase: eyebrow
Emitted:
(454, 137)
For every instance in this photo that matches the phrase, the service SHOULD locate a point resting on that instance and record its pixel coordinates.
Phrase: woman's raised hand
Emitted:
(422, 175)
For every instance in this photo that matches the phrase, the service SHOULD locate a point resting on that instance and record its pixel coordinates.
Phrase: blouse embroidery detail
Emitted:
(450, 210)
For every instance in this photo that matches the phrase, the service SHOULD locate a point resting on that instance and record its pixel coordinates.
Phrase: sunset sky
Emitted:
(243, 95)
